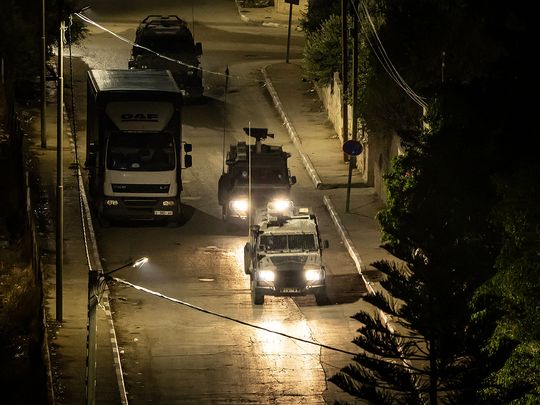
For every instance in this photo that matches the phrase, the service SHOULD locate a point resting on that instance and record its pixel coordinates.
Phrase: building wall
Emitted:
(379, 149)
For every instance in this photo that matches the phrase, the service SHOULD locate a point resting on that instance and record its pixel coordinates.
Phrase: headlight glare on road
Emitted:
(314, 275)
(267, 275)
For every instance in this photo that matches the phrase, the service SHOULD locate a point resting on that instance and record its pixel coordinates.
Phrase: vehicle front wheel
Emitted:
(321, 297)
(103, 222)
(247, 259)
(256, 297)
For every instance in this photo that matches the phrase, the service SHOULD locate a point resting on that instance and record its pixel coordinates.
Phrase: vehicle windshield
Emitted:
(140, 152)
(165, 44)
(260, 175)
(288, 243)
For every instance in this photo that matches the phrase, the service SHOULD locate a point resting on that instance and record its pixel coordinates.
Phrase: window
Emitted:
(141, 152)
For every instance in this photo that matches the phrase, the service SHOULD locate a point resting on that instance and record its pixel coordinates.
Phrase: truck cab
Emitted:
(174, 49)
(256, 174)
(284, 254)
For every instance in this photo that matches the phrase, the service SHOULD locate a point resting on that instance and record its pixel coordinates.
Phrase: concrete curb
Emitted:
(242, 15)
(347, 241)
(90, 235)
(317, 182)
(248, 20)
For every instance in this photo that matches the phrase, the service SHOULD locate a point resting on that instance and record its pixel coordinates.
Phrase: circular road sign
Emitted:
(352, 147)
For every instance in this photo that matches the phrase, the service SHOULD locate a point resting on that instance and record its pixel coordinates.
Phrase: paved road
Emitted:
(173, 354)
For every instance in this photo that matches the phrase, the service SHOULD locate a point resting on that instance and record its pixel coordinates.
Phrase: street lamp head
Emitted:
(140, 262)
(137, 263)
(82, 9)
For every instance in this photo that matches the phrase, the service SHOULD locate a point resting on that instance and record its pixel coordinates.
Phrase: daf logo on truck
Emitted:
(140, 117)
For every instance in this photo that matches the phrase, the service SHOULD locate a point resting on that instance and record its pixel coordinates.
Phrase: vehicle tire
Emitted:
(224, 214)
(321, 297)
(247, 259)
(103, 222)
(256, 297)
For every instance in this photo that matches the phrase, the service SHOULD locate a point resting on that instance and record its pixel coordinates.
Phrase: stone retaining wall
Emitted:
(379, 149)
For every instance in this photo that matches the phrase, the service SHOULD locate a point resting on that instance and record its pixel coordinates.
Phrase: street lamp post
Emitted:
(59, 174)
(96, 285)
(43, 78)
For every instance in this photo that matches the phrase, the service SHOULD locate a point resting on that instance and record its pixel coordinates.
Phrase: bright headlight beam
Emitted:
(266, 275)
(280, 205)
(313, 275)
(239, 205)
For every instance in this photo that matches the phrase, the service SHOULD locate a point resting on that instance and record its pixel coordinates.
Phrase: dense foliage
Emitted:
(463, 197)
(20, 37)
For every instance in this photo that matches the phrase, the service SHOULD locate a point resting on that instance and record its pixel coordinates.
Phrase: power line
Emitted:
(384, 59)
(217, 314)
(92, 22)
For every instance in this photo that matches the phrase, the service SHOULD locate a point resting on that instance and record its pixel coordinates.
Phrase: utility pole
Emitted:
(91, 339)
(43, 78)
(344, 72)
(352, 158)
(291, 2)
(59, 171)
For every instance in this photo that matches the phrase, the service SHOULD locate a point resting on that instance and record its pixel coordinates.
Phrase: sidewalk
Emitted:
(268, 17)
(67, 340)
(320, 149)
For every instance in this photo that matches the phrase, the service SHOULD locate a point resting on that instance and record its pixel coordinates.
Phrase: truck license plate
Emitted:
(163, 212)
(290, 290)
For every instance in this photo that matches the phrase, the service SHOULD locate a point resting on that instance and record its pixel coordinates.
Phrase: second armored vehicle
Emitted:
(256, 174)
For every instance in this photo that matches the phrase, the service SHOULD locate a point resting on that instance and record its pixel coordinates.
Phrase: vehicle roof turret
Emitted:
(241, 151)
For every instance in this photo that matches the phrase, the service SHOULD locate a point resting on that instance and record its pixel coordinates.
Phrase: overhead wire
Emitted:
(94, 23)
(217, 314)
(384, 59)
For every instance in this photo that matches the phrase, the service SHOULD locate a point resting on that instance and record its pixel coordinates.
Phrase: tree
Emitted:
(318, 12)
(21, 25)
(439, 202)
(322, 51)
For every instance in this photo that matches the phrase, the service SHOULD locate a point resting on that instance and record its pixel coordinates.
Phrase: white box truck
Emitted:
(134, 145)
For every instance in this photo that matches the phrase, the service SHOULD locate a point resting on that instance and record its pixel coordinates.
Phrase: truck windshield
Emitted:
(140, 152)
(287, 243)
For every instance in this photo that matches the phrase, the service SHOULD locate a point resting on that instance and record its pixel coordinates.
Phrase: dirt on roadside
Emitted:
(22, 370)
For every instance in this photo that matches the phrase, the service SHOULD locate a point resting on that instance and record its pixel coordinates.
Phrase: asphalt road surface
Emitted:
(174, 354)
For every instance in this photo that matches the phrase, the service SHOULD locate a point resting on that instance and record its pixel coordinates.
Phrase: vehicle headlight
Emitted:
(168, 203)
(239, 206)
(266, 275)
(314, 275)
(191, 72)
(111, 202)
(279, 206)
